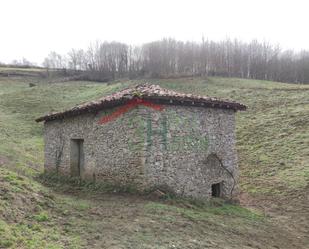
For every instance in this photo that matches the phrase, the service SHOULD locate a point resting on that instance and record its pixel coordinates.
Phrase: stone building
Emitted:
(148, 137)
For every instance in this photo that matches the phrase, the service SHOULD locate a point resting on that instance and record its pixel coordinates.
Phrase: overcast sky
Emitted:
(33, 28)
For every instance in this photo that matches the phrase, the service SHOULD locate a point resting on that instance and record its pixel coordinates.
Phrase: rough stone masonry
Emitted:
(148, 137)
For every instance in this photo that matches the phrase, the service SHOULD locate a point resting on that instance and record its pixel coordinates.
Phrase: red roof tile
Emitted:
(153, 93)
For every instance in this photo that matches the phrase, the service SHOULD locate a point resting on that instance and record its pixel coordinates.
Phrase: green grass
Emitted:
(26, 219)
(3, 69)
(206, 212)
(41, 217)
(32, 236)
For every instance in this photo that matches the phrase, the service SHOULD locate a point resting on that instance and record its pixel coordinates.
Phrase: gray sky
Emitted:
(33, 28)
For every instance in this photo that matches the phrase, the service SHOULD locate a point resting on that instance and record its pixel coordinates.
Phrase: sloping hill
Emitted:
(273, 138)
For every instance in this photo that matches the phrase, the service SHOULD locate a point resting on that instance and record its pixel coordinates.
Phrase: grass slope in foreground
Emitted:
(273, 159)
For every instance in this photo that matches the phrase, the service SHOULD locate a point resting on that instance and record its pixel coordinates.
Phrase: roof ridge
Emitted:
(148, 91)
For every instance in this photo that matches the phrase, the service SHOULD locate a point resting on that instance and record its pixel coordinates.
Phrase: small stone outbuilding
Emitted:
(148, 137)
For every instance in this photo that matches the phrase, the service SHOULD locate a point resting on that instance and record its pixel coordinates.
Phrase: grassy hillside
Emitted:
(273, 138)
(273, 135)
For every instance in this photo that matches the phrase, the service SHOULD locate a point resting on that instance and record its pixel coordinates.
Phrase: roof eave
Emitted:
(159, 100)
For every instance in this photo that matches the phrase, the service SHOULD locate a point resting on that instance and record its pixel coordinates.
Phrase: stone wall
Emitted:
(107, 153)
(149, 148)
(179, 158)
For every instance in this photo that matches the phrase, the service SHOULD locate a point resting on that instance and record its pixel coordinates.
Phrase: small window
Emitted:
(216, 190)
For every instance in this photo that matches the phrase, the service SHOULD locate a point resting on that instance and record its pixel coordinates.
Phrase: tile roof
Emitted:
(153, 93)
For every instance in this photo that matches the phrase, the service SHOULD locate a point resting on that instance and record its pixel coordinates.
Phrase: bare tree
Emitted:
(169, 57)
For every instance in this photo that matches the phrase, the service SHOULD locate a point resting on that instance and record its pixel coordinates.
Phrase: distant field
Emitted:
(273, 138)
(4, 69)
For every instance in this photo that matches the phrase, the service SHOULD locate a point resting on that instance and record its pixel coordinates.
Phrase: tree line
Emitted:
(23, 63)
(172, 58)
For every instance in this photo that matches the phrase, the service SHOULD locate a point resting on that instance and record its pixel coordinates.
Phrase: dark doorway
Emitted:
(216, 190)
(77, 157)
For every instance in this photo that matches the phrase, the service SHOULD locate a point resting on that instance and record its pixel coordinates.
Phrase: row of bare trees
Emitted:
(172, 58)
(23, 63)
